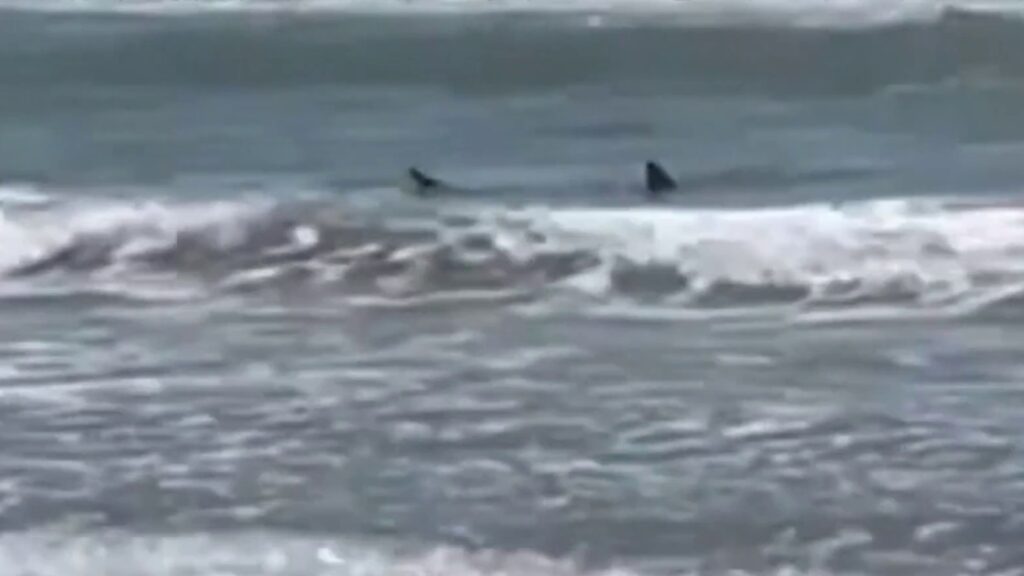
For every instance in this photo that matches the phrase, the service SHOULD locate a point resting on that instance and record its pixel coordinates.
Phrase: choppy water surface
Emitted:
(231, 345)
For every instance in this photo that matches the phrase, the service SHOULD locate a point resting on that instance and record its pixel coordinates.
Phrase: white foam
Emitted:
(16, 195)
(888, 248)
(54, 553)
(925, 254)
(139, 227)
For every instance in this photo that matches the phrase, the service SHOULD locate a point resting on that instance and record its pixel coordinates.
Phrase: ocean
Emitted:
(232, 343)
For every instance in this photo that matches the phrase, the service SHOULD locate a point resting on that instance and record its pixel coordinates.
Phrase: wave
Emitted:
(692, 47)
(53, 553)
(913, 254)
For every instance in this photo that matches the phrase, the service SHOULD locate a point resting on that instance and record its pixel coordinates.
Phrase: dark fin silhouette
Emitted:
(657, 180)
(420, 182)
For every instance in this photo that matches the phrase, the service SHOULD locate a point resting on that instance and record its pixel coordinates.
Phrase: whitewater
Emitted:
(234, 343)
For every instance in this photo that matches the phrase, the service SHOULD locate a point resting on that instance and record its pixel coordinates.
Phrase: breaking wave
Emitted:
(919, 254)
(51, 553)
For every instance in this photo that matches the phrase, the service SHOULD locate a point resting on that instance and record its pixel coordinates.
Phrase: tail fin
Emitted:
(656, 178)
(420, 182)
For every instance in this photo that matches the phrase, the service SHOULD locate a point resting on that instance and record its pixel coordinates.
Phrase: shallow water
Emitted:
(232, 345)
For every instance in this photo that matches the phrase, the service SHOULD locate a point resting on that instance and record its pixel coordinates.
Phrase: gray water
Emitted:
(232, 345)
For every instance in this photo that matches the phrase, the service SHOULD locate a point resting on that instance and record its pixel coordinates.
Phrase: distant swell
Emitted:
(499, 52)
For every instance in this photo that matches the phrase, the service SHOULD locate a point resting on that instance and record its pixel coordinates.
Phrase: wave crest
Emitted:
(909, 253)
(47, 553)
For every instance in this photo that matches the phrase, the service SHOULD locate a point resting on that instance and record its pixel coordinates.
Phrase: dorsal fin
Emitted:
(656, 178)
(420, 181)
